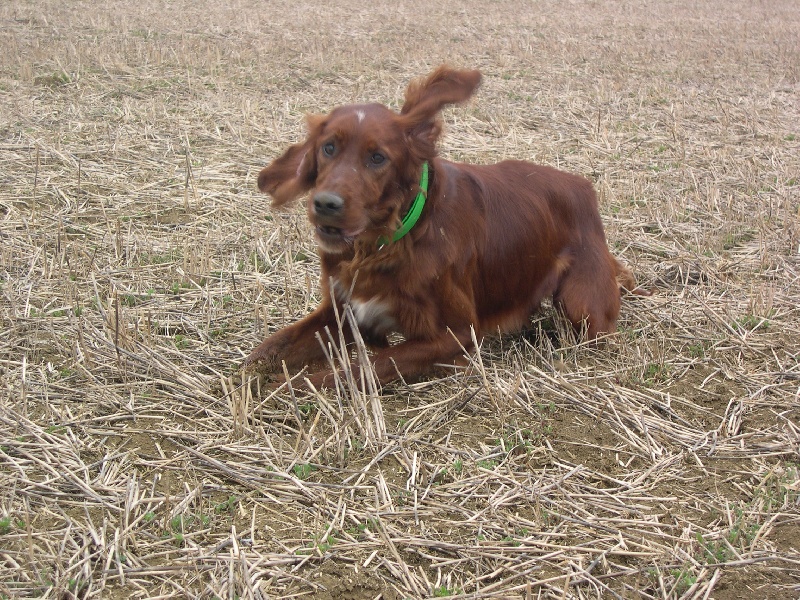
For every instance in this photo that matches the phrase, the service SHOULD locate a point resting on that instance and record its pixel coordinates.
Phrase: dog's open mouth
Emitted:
(335, 235)
(327, 231)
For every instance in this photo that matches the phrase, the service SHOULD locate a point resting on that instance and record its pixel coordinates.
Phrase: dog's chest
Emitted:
(374, 314)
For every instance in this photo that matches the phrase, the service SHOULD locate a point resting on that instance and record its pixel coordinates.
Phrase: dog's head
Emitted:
(361, 163)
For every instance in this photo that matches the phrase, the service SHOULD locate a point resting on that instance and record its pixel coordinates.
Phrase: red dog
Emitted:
(429, 248)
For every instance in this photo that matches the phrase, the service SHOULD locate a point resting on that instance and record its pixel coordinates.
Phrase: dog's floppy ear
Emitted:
(293, 174)
(426, 97)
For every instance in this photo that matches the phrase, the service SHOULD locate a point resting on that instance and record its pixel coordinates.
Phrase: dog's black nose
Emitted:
(328, 204)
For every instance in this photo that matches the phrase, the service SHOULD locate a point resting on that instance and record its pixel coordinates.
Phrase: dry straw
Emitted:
(138, 266)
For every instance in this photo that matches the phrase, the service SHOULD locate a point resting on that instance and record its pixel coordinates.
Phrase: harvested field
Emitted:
(139, 266)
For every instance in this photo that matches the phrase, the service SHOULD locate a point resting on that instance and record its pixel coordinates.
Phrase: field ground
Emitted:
(138, 266)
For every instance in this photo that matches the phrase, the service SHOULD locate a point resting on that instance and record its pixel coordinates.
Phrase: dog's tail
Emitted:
(627, 281)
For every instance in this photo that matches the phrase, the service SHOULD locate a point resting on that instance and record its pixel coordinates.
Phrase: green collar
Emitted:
(412, 216)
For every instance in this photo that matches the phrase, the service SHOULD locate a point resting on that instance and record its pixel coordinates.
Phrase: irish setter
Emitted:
(429, 248)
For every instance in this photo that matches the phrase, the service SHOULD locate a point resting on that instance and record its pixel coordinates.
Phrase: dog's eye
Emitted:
(377, 159)
(329, 149)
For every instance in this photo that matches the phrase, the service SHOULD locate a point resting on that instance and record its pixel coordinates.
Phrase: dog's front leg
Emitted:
(297, 344)
(416, 357)
(408, 359)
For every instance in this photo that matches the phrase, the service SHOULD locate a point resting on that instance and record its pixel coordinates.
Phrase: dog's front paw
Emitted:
(256, 381)
(264, 359)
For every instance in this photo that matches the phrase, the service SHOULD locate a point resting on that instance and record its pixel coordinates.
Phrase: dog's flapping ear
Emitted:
(292, 174)
(425, 98)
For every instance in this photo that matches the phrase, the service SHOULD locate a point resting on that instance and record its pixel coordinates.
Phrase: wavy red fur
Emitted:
(492, 242)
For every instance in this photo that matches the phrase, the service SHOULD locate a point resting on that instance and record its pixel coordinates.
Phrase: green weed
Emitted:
(444, 591)
(655, 373)
(228, 506)
(684, 579)
(54, 80)
(779, 488)
(734, 239)
(697, 350)
(302, 471)
(306, 409)
(747, 323)
(713, 551)
(8, 523)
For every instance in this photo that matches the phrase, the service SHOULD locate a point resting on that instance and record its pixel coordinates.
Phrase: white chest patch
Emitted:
(338, 289)
(373, 315)
(360, 115)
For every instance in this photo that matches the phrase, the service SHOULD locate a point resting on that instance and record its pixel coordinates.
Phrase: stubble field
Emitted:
(139, 266)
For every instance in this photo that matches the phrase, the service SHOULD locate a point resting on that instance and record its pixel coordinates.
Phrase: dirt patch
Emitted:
(756, 583)
(787, 538)
(350, 583)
